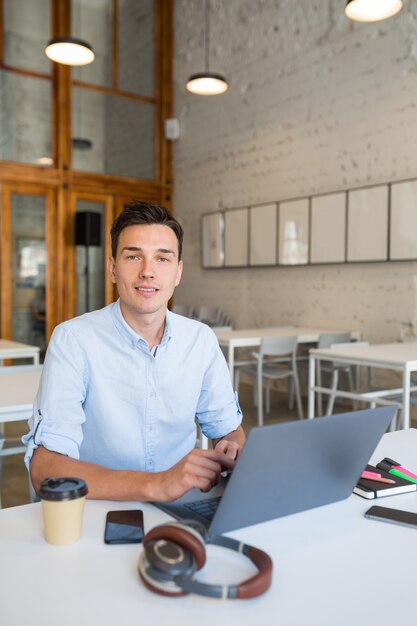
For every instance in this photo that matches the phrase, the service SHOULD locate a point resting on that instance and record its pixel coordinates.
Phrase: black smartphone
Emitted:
(124, 526)
(395, 516)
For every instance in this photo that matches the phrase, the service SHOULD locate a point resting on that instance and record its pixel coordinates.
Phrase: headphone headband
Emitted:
(155, 577)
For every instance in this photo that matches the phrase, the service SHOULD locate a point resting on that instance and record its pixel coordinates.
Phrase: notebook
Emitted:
(288, 468)
(371, 489)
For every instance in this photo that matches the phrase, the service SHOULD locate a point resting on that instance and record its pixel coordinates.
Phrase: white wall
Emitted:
(316, 103)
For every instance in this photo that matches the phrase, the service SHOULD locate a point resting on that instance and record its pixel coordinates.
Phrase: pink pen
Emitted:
(366, 474)
(405, 471)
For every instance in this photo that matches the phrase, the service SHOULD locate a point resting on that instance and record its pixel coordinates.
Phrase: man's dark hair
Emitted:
(139, 212)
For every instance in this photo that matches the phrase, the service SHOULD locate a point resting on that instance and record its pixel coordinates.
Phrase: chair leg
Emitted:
(260, 398)
(319, 395)
(298, 394)
(332, 397)
(268, 396)
(352, 387)
(237, 379)
(291, 393)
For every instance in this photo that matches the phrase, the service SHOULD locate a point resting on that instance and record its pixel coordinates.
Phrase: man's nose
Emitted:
(146, 269)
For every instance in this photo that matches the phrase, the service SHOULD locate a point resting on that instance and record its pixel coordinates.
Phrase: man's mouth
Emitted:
(147, 290)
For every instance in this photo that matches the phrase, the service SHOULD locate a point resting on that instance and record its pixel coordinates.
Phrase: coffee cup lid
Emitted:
(64, 488)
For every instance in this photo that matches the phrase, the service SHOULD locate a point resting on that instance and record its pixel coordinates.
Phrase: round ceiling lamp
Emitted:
(69, 51)
(207, 83)
(372, 10)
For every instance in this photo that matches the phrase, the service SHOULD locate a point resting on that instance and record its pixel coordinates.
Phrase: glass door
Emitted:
(28, 264)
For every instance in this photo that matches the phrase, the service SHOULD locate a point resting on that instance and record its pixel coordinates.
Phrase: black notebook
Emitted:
(371, 489)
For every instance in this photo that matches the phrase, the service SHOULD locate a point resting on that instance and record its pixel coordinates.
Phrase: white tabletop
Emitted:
(390, 354)
(305, 334)
(18, 388)
(332, 567)
(13, 349)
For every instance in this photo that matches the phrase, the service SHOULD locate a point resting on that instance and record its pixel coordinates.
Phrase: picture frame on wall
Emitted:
(212, 235)
(293, 232)
(236, 238)
(328, 228)
(263, 235)
(403, 221)
(367, 238)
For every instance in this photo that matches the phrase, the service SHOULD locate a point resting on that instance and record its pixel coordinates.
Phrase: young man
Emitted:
(121, 387)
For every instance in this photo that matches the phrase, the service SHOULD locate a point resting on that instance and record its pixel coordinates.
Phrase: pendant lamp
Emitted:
(69, 51)
(372, 10)
(207, 83)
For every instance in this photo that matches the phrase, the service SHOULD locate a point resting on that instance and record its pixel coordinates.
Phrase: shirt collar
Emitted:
(130, 335)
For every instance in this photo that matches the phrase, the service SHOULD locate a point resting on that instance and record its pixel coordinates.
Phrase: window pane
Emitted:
(136, 43)
(92, 21)
(29, 261)
(117, 134)
(25, 119)
(27, 29)
(90, 265)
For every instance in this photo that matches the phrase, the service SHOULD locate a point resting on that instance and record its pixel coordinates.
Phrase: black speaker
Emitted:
(87, 229)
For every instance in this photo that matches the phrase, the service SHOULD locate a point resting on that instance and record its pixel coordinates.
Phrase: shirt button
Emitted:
(152, 394)
(150, 429)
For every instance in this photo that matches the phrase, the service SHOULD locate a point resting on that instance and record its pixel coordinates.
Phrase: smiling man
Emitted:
(122, 387)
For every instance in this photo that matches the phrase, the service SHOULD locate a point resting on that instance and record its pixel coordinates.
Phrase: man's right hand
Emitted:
(199, 469)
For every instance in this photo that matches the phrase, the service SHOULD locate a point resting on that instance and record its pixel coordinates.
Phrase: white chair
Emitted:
(183, 309)
(341, 367)
(326, 340)
(276, 360)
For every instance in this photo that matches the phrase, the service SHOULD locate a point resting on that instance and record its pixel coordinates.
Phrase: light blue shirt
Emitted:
(104, 398)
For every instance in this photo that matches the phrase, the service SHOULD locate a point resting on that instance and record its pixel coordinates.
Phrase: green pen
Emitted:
(396, 472)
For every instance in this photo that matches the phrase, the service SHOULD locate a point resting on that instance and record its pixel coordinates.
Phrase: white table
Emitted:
(14, 350)
(18, 387)
(400, 357)
(332, 567)
(249, 338)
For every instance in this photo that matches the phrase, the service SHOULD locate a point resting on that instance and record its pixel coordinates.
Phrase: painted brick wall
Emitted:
(316, 103)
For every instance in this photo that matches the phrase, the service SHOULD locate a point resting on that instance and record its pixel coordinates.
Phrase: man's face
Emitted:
(146, 269)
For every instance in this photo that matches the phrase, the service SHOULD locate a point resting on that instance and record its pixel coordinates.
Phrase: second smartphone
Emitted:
(124, 527)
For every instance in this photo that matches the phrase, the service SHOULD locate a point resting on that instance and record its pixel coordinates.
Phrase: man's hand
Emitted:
(199, 469)
(230, 448)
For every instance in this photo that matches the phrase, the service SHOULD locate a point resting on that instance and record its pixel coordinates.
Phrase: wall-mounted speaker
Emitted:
(87, 228)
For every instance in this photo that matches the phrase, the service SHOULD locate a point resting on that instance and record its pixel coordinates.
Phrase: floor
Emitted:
(15, 482)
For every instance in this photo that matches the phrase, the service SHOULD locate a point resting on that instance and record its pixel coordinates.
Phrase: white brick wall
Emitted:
(316, 103)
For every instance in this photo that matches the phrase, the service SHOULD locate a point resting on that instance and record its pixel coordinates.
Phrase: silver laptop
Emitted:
(287, 468)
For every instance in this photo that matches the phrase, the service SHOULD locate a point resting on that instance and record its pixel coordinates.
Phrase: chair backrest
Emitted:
(182, 309)
(278, 346)
(328, 339)
(208, 314)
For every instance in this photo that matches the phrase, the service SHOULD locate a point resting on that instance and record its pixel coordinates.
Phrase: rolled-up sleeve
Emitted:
(58, 414)
(218, 411)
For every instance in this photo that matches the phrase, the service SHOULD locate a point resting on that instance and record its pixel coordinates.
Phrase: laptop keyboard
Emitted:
(205, 508)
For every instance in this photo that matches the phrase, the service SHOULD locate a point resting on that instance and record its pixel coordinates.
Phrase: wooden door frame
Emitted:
(49, 193)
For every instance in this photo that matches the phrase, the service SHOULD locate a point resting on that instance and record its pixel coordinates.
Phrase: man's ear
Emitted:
(179, 274)
(111, 266)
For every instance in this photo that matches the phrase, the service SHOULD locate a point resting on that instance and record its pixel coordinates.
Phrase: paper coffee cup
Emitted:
(62, 509)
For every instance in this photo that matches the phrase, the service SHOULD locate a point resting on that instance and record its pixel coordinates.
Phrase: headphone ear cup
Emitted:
(163, 588)
(182, 535)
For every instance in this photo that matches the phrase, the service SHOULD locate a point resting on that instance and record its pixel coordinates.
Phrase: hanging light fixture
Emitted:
(372, 10)
(207, 83)
(69, 51)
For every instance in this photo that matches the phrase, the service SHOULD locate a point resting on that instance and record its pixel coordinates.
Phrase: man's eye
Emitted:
(131, 257)
(163, 259)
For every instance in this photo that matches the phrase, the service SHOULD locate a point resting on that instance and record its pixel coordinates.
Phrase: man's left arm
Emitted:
(232, 443)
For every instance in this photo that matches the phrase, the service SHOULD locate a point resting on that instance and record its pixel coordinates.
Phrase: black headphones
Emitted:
(174, 552)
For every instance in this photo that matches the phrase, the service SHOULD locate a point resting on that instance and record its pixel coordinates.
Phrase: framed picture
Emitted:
(368, 224)
(328, 228)
(403, 223)
(263, 235)
(236, 230)
(212, 226)
(293, 229)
